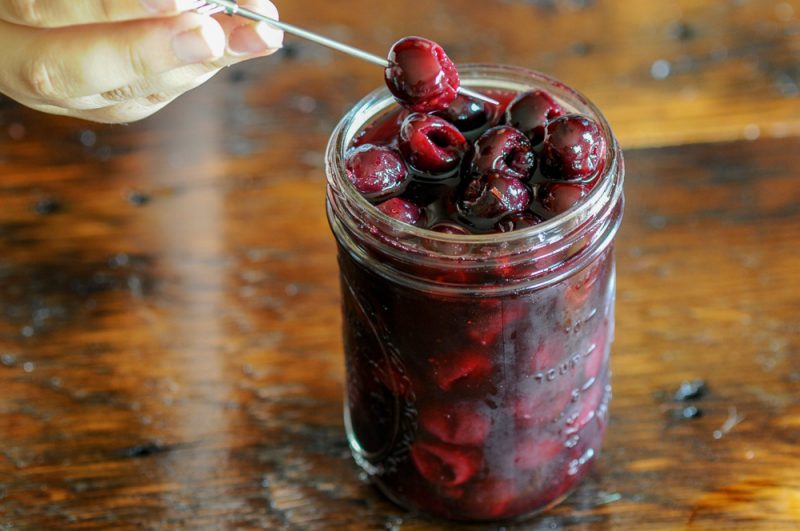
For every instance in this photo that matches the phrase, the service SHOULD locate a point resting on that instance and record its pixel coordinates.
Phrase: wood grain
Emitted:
(169, 323)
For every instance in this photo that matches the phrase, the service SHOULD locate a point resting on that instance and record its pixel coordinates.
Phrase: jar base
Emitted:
(386, 492)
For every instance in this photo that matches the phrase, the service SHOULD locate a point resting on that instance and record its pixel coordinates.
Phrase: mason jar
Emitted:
(477, 366)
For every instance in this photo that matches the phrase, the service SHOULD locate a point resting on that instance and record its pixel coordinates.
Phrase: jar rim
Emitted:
(475, 75)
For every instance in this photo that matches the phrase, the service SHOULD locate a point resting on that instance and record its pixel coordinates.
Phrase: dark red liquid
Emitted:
(475, 406)
(513, 391)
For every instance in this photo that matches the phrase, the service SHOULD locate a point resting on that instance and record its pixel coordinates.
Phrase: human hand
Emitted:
(118, 61)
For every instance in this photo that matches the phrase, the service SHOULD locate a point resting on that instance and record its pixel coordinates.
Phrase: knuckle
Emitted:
(217, 64)
(119, 94)
(158, 97)
(42, 81)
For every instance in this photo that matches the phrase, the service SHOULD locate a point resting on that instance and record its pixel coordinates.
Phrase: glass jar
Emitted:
(477, 365)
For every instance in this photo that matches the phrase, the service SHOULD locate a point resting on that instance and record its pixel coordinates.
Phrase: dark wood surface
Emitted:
(169, 323)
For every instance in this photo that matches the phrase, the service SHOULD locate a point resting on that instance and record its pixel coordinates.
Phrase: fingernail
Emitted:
(254, 39)
(198, 44)
(168, 6)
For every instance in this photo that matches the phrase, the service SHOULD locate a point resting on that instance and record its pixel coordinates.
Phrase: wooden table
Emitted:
(169, 323)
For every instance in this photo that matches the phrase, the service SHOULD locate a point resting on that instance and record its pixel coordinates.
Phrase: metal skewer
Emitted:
(232, 8)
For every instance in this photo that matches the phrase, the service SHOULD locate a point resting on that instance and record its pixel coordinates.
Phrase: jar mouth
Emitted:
(486, 76)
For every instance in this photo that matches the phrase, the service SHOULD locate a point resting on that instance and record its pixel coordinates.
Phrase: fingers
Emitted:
(248, 38)
(174, 82)
(127, 70)
(81, 61)
(60, 13)
(245, 40)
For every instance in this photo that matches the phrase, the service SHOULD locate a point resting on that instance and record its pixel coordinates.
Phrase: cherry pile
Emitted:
(448, 163)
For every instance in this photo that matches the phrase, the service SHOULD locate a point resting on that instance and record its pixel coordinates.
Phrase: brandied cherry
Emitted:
(486, 327)
(505, 150)
(431, 144)
(459, 423)
(449, 228)
(489, 498)
(466, 370)
(376, 171)
(470, 116)
(401, 210)
(536, 450)
(531, 111)
(518, 221)
(557, 198)
(532, 408)
(449, 248)
(444, 464)
(491, 196)
(574, 150)
(420, 75)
